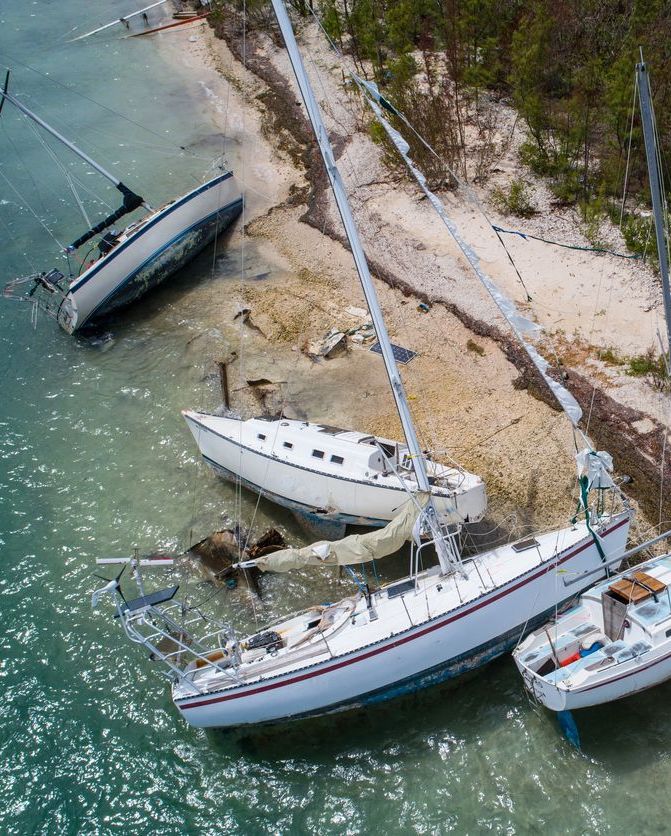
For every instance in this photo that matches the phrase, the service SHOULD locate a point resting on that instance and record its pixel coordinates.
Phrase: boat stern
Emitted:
(68, 314)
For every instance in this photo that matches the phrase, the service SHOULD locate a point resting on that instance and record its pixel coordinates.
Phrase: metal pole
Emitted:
(446, 560)
(656, 192)
(625, 556)
(59, 137)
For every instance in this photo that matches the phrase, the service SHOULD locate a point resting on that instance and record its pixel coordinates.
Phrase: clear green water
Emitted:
(94, 457)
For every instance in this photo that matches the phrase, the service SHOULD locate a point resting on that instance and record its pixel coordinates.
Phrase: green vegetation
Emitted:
(611, 357)
(515, 201)
(567, 67)
(652, 366)
(476, 348)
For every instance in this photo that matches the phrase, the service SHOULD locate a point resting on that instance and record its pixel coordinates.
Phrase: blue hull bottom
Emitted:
(164, 264)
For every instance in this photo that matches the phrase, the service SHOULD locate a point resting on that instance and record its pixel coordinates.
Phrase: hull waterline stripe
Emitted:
(606, 682)
(400, 641)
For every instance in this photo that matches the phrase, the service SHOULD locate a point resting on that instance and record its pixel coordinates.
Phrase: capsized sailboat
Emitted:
(129, 263)
(617, 640)
(378, 643)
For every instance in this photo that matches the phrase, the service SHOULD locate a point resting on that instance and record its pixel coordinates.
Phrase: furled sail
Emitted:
(352, 550)
(520, 324)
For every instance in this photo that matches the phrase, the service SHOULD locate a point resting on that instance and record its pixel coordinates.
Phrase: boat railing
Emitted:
(451, 536)
(157, 630)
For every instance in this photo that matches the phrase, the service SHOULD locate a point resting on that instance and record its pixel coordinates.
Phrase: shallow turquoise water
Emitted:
(94, 457)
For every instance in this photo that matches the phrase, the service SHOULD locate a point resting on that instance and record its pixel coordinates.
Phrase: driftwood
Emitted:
(218, 552)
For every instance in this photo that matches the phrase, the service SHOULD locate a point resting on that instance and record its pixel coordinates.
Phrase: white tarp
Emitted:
(597, 467)
(352, 550)
(520, 324)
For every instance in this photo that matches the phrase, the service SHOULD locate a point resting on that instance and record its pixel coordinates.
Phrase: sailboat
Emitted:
(617, 640)
(327, 475)
(436, 623)
(129, 263)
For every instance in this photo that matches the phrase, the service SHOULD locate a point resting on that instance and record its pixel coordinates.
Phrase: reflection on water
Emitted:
(95, 458)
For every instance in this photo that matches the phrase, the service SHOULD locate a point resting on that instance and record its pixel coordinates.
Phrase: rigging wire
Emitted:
(27, 206)
(93, 101)
(631, 133)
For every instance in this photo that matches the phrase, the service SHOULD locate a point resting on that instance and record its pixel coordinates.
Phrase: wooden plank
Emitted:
(637, 587)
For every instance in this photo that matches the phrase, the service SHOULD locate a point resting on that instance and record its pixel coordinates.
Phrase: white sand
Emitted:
(464, 402)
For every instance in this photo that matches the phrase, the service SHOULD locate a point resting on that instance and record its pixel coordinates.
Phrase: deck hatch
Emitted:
(523, 545)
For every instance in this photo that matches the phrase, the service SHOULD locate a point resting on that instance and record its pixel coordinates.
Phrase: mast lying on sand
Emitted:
(447, 554)
(656, 192)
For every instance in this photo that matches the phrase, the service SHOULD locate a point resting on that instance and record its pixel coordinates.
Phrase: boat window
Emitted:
(318, 454)
(288, 445)
(337, 459)
(261, 436)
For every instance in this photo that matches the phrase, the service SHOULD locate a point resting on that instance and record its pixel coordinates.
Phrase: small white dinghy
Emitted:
(326, 473)
(127, 264)
(614, 643)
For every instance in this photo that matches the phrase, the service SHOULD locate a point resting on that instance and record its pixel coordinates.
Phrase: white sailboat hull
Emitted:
(444, 627)
(630, 678)
(638, 659)
(150, 251)
(349, 492)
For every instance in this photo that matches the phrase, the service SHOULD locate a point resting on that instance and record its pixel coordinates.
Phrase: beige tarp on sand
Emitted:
(357, 548)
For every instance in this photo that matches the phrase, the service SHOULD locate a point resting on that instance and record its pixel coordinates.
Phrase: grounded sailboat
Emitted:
(614, 643)
(327, 474)
(129, 263)
(376, 644)
(617, 640)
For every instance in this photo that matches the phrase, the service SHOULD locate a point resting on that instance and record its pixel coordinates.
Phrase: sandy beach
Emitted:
(474, 397)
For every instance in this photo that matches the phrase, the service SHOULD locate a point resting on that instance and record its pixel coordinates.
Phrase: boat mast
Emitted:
(656, 191)
(131, 201)
(447, 554)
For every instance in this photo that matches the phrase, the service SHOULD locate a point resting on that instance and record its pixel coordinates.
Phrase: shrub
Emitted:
(652, 366)
(515, 201)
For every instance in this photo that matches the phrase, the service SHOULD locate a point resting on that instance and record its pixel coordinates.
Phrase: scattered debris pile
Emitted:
(216, 554)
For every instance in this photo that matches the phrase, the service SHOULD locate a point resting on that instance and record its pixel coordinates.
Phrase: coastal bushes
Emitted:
(567, 66)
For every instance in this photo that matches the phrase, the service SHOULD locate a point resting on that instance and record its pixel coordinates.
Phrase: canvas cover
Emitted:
(352, 550)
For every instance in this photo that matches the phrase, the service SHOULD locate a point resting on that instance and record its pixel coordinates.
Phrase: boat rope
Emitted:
(176, 150)
(583, 504)
(363, 587)
(26, 205)
(601, 250)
